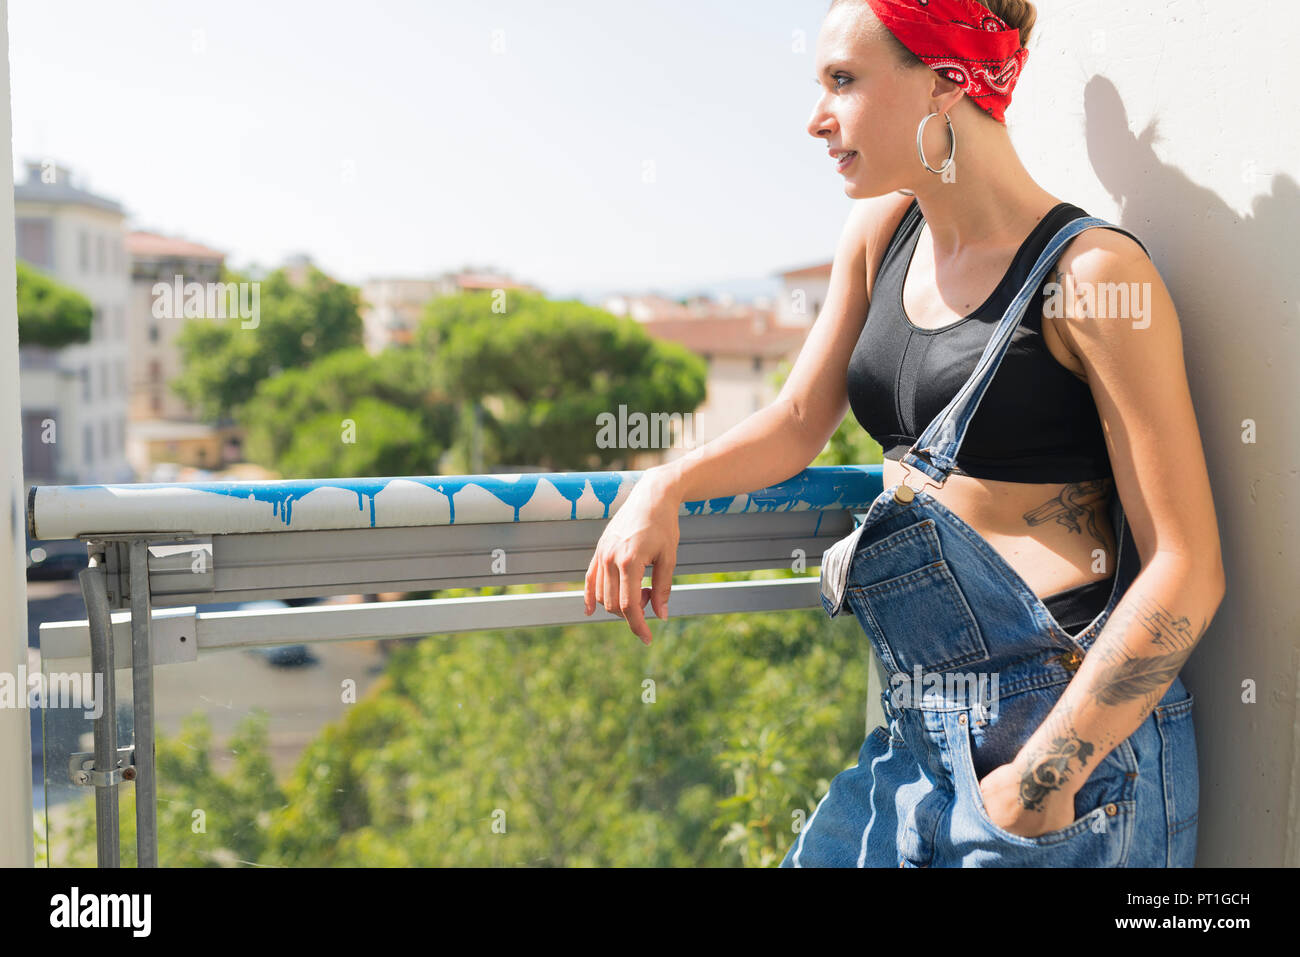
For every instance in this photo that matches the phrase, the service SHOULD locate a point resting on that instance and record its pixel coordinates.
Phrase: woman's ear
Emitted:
(945, 93)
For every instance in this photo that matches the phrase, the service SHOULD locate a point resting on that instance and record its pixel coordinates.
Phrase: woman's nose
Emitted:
(819, 124)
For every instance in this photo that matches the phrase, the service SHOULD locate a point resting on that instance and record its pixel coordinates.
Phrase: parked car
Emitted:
(282, 656)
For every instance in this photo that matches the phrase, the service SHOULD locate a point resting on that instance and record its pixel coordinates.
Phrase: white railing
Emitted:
(157, 551)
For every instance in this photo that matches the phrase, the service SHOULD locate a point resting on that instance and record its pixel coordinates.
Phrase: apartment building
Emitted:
(154, 359)
(74, 399)
(802, 295)
(745, 348)
(391, 308)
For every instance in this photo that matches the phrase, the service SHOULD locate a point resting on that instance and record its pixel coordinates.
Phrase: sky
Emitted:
(584, 147)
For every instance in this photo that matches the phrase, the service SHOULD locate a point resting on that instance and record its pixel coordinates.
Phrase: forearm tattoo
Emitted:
(1074, 507)
(1122, 677)
(1049, 770)
(1125, 676)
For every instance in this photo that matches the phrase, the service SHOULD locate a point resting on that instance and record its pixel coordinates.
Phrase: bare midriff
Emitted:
(1055, 536)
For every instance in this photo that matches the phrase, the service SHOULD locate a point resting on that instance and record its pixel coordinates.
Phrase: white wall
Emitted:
(16, 816)
(811, 292)
(1214, 197)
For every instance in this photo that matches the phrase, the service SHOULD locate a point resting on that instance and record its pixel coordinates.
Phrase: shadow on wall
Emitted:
(1220, 269)
(1235, 284)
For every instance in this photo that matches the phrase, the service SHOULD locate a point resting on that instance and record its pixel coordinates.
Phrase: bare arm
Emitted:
(780, 440)
(1136, 372)
(768, 447)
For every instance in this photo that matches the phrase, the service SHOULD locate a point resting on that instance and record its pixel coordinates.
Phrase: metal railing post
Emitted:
(146, 784)
(105, 726)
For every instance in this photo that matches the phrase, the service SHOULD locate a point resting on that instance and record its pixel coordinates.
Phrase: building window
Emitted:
(83, 251)
(119, 322)
(96, 315)
(155, 371)
(101, 258)
(85, 384)
(38, 457)
(103, 381)
(36, 242)
(88, 444)
(156, 402)
(758, 363)
(106, 440)
(153, 332)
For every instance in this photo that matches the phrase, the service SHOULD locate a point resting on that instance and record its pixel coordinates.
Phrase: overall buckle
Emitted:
(904, 494)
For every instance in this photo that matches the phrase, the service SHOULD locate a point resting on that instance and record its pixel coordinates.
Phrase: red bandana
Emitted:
(963, 41)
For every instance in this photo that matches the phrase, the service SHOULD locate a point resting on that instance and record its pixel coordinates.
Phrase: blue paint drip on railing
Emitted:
(815, 488)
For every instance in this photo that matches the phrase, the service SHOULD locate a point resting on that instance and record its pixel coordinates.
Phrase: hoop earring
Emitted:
(952, 138)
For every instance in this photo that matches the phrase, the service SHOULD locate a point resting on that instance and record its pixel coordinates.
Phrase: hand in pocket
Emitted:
(1000, 792)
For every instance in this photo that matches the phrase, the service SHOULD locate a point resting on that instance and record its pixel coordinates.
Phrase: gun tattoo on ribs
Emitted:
(1073, 507)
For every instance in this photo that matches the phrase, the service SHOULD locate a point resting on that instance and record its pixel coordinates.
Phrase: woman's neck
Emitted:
(990, 201)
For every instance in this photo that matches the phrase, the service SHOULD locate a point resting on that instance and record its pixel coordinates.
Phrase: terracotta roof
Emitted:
(144, 245)
(754, 335)
(808, 272)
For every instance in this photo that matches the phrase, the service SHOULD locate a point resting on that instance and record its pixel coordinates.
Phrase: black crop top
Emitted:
(1036, 422)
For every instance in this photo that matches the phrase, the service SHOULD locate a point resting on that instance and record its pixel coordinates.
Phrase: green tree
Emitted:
(224, 362)
(205, 818)
(850, 444)
(351, 413)
(49, 313)
(542, 373)
(559, 746)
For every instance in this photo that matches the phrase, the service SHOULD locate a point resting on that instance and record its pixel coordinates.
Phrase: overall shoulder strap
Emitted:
(935, 451)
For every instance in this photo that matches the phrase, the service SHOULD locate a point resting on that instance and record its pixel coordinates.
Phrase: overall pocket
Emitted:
(904, 594)
(1098, 837)
(1180, 778)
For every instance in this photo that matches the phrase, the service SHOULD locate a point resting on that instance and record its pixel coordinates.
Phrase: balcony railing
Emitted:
(159, 550)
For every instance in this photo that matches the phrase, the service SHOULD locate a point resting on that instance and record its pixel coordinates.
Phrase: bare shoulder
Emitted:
(1101, 275)
(874, 221)
(1096, 251)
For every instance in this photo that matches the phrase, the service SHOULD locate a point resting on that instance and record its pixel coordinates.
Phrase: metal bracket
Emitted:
(82, 773)
(116, 548)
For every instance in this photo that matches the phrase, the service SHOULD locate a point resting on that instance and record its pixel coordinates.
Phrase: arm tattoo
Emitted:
(1125, 677)
(1122, 677)
(1049, 769)
(1073, 503)
(1137, 678)
(1046, 770)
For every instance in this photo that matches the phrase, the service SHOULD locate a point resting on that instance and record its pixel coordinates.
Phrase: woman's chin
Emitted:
(861, 187)
(856, 190)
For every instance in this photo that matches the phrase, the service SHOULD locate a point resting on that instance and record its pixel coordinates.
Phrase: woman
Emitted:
(1047, 622)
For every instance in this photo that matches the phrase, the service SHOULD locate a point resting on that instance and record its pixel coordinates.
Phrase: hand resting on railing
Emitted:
(644, 531)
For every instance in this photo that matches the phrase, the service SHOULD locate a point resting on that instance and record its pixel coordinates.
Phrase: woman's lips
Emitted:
(843, 162)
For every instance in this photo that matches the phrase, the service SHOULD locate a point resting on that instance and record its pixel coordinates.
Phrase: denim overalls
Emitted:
(975, 662)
